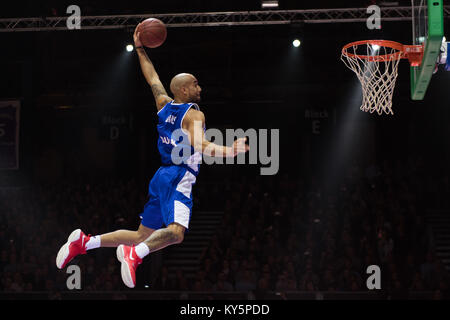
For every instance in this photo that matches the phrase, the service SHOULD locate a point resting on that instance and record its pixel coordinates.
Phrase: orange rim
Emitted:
(412, 52)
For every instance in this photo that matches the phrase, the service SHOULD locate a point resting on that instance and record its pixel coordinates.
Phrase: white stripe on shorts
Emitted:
(181, 214)
(185, 184)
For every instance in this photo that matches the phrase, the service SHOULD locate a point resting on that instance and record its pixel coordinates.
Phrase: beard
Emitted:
(196, 98)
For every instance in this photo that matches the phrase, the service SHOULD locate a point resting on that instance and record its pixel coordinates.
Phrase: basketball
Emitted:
(153, 32)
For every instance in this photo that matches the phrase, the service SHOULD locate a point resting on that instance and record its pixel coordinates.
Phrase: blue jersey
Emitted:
(173, 136)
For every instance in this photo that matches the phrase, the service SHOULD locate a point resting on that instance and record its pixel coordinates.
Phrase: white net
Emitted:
(377, 68)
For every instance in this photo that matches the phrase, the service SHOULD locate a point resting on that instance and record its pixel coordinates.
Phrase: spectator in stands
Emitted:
(245, 282)
(222, 284)
(180, 281)
(163, 281)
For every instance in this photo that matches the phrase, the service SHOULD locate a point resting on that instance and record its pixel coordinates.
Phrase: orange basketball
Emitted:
(153, 32)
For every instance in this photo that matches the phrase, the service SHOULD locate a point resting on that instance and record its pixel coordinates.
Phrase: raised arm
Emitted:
(194, 122)
(160, 94)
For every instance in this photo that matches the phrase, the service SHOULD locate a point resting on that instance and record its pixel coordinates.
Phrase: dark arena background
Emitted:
(352, 189)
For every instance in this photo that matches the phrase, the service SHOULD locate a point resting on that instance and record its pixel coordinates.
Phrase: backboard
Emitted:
(427, 30)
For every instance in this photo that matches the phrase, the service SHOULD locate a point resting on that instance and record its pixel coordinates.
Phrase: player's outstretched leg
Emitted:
(79, 243)
(75, 245)
(131, 256)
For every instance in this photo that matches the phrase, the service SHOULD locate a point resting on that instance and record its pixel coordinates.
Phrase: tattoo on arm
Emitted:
(158, 90)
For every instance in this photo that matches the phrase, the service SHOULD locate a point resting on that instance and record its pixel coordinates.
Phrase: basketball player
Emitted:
(167, 213)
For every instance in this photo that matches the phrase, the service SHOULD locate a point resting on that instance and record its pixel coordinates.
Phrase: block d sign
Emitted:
(115, 127)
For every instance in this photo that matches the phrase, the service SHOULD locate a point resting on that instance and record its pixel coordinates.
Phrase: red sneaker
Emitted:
(75, 245)
(129, 260)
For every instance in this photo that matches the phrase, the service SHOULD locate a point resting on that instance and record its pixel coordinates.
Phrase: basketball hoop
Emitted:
(375, 63)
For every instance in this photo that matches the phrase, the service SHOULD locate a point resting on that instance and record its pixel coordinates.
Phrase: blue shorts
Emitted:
(170, 192)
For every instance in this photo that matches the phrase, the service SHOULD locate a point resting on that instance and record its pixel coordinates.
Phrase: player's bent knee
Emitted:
(177, 233)
(140, 237)
(177, 236)
(143, 233)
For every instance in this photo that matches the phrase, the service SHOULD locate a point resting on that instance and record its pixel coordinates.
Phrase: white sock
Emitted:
(93, 243)
(142, 250)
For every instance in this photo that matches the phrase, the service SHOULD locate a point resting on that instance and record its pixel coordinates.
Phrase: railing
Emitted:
(210, 19)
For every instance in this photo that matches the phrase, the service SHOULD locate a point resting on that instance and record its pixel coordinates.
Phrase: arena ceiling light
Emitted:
(265, 4)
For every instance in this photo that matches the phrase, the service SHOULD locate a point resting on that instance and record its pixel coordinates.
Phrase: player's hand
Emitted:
(137, 41)
(239, 146)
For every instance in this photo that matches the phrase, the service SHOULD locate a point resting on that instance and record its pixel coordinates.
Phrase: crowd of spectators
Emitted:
(36, 221)
(278, 233)
(287, 233)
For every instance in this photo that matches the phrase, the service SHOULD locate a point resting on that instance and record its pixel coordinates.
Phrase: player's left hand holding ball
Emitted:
(137, 41)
